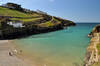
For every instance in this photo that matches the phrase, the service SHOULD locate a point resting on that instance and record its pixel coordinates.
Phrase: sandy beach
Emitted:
(8, 57)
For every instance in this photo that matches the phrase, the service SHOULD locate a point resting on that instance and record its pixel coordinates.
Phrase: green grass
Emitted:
(46, 24)
(14, 13)
(56, 20)
(9, 12)
(26, 20)
(50, 23)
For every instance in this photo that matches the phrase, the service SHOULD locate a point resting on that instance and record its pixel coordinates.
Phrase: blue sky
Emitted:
(75, 10)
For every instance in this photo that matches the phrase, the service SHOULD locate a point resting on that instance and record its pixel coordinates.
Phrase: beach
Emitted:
(8, 57)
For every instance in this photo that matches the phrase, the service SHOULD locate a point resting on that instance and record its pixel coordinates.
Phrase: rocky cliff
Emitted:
(92, 55)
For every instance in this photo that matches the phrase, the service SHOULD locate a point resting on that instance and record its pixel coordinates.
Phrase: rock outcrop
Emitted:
(92, 56)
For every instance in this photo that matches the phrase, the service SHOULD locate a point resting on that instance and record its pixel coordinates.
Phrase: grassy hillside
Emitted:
(23, 17)
(33, 21)
(42, 19)
(14, 13)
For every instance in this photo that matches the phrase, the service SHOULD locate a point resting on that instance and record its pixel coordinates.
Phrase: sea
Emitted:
(65, 47)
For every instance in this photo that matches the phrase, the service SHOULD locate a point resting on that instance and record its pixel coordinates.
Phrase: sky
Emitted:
(75, 10)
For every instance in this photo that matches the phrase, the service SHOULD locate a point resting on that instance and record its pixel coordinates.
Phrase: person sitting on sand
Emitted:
(10, 53)
(13, 52)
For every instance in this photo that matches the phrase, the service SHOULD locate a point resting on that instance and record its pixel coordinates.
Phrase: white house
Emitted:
(16, 24)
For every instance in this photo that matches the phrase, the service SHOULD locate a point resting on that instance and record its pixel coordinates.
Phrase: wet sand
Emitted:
(8, 55)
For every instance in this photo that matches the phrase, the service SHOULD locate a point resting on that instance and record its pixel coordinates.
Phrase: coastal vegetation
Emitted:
(16, 21)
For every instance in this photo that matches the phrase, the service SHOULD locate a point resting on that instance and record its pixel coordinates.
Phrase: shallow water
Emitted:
(61, 48)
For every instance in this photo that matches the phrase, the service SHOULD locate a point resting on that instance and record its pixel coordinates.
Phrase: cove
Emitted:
(60, 48)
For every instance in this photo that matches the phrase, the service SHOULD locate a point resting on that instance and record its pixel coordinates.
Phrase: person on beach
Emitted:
(10, 54)
(13, 52)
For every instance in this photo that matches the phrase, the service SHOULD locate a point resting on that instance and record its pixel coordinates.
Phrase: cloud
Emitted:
(51, 0)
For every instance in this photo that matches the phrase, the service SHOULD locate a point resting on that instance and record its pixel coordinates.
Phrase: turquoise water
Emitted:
(61, 48)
